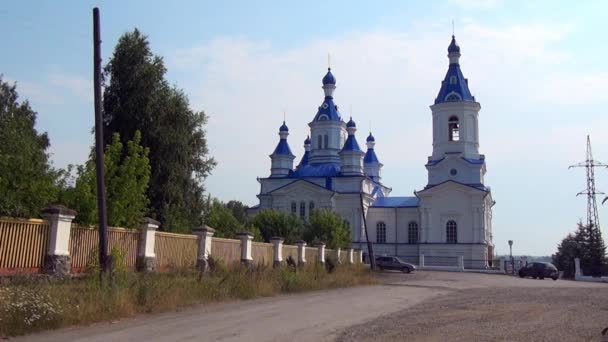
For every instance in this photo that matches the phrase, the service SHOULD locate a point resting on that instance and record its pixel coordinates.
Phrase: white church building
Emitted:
(449, 217)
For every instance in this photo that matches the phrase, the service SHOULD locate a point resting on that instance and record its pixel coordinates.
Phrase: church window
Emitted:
(326, 141)
(451, 232)
(453, 80)
(311, 207)
(453, 97)
(302, 210)
(454, 128)
(412, 232)
(293, 207)
(381, 232)
(320, 141)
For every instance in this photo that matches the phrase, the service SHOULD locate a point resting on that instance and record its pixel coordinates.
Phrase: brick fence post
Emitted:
(421, 261)
(146, 257)
(321, 251)
(349, 254)
(57, 260)
(277, 251)
(301, 252)
(577, 269)
(205, 237)
(246, 239)
(461, 263)
(337, 253)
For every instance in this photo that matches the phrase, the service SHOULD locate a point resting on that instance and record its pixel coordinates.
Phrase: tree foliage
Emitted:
(27, 180)
(588, 245)
(138, 97)
(127, 173)
(327, 226)
(222, 220)
(276, 223)
(239, 210)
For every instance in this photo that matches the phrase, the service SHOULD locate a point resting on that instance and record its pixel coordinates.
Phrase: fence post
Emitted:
(577, 269)
(205, 235)
(301, 252)
(246, 239)
(501, 261)
(277, 251)
(57, 260)
(146, 258)
(338, 255)
(461, 263)
(360, 256)
(321, 248)
(421, 260)
(349, 255)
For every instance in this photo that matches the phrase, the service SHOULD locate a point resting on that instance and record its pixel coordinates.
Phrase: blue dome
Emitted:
(284, 128)
(453, 46)
(329, 78)
(351, 123)
(370, 137)
(307, 141)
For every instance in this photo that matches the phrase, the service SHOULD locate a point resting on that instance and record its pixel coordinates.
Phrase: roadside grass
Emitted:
(28, 305)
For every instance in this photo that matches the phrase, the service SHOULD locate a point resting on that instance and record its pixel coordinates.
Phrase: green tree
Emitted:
(239, 210)
(587, 244)
(138, 97)
(327, 226)
(127, 173)
(276, 223)
(27, 180)
(221, 219)
(567, 250)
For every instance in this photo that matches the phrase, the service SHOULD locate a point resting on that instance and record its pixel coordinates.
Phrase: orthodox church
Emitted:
(449, 217)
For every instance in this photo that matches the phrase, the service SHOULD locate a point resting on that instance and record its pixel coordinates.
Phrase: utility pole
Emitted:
(511, 256)
(589, 164)
(104, 263)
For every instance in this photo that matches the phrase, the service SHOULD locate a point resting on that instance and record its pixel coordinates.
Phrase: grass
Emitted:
(28, 305)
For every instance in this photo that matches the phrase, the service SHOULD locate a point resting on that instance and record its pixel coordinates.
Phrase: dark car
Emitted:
(539, 270)
(394, 263)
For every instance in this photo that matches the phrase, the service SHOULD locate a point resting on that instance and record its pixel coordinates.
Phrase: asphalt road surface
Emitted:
(387, 310)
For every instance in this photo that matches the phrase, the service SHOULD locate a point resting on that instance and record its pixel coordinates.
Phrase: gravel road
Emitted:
(423, 306)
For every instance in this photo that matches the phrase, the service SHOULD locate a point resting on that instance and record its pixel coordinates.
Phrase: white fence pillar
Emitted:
(461, 263)
(349, 256)
(501, 262)
(146, 258)
(205, 238)
(277, 250)
(577, 269)
(57, 260)
(321, 251)
(421, 261)
(246, 239)
(338, 256)
(301, 252)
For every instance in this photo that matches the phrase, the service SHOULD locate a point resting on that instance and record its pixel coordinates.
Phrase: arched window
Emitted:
(454, 128)
(412, 232)
(451, 232)
(381, 232)
(294, 207)
(452, 97)
(326, 141)
(320, 142)
(311, 207)
(302, 210)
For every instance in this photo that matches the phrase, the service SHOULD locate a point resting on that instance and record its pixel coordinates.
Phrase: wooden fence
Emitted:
(84, 246)
(175, 251)
(23, 245)
(262, 253)
(290, 251)
(226, 250)
(312, 254)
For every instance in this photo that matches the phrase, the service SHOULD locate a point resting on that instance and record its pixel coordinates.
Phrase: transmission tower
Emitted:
(589, 164)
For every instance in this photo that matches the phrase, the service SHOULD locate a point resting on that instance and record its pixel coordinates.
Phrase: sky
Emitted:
(537, 68)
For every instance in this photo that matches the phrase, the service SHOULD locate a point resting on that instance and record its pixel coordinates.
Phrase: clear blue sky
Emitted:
(537, 68)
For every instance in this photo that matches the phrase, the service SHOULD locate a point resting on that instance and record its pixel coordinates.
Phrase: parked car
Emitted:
(539, 270)
(394, 263)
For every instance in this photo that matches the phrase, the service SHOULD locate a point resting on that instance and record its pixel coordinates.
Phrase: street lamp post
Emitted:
(511, 256)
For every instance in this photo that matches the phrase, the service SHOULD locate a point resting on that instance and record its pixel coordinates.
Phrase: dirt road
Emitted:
(316, 316)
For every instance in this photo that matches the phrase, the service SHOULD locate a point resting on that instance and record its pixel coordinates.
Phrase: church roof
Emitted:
(396, 202)
(370, 156)
(328, 111)
(282, 148)
(351, 144)
(329, 77)
(370, 137)
(454, 87)
(320, 170)
(283, 128)
(304, 160)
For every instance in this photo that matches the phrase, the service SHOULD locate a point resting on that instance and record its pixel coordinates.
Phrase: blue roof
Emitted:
(321, 170)
(283, 148)
(370, 157)
(453, 45)
(283, 128)
(304, 160)
(329, 77)
(370, 137)
(307, 141)
(351, 144)
(434, 162)
(329, 109)
(351, 123)
(396, 202)
(475, 161)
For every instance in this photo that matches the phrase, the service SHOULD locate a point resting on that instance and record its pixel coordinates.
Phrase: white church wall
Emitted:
(403, 218)
(467, 173)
